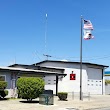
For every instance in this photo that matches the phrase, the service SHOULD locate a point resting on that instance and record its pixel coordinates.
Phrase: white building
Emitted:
(59, 76)
(92, 77)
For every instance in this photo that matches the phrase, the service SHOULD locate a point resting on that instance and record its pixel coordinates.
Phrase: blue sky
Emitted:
(22, 30)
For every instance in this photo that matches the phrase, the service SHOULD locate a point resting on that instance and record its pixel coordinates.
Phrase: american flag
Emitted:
(88, 24)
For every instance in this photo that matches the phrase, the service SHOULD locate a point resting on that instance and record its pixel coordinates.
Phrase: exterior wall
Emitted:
(50, 83)
(59, 64)
(11, 81)
(67, 85)
(91, 78)
(8, 78)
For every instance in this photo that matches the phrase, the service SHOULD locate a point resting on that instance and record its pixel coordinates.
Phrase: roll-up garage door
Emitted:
(94, 81)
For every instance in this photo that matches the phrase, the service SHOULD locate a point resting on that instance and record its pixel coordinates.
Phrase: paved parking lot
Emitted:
(96, 103)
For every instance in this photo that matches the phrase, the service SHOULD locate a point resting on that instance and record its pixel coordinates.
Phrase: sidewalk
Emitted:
(98, 101)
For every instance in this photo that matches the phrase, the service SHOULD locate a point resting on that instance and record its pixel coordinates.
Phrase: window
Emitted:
(2, 77)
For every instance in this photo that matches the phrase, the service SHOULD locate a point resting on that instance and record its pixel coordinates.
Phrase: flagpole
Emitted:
(81, 61)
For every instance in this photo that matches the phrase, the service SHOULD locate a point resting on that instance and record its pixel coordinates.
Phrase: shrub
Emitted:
(6, 92)
(107, 82)
(30, 87)
(62, 95)
(3, 85)
(3, 93)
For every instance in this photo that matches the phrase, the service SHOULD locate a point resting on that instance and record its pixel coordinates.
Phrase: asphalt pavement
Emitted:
(97, 102)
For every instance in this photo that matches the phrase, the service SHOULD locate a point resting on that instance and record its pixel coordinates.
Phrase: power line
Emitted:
(100, 58)
(85, 58)
(38, 56)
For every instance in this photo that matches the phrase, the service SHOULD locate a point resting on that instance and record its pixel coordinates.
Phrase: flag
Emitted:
(88, 34)
(88, 24)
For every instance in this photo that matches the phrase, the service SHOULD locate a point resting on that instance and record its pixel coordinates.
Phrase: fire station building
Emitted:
(93, 80)
(59, 76)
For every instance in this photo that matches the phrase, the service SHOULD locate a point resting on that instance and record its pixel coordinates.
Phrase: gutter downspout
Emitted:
(56, 84)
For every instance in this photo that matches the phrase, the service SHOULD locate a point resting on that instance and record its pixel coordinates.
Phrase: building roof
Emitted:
(34, 66)
(52, 67)
(13, 65)
(29, 70)
(87, 63)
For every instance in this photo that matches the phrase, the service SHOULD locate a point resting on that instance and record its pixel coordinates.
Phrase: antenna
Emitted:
(46, 33)
(47, 56)
(15, 60)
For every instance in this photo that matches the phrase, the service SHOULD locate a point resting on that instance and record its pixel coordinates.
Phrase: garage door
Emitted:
(94, 81)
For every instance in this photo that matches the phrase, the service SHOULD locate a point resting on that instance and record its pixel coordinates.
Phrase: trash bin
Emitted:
(46, 98)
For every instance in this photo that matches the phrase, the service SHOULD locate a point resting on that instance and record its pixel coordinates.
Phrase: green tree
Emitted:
(30, 87)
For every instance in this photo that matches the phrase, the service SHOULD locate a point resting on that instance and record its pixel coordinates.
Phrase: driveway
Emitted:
(98, 102)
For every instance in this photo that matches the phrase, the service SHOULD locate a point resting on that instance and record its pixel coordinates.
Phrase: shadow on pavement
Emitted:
(29, 101)
(2, 99)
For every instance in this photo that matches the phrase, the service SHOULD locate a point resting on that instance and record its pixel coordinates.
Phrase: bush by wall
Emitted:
(3, 92)
(3, 84)
(62, 95)
(6, 92)
(30, 87)
(107, 82)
